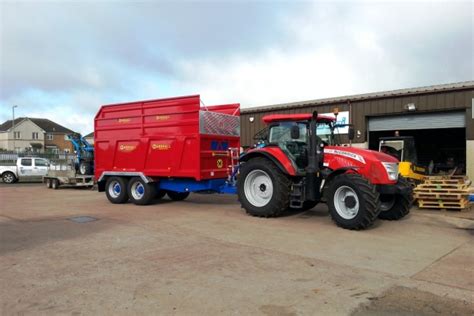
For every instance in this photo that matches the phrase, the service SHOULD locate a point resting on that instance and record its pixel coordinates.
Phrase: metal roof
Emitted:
(366, 96)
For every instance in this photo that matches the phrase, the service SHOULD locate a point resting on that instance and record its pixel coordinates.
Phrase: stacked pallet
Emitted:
(443, 192)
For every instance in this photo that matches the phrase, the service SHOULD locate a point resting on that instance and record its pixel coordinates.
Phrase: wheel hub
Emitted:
(350, 201)
(258, 188)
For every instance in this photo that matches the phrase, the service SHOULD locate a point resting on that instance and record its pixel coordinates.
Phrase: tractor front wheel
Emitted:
(396, 206)
(263, 190)
(353, 201)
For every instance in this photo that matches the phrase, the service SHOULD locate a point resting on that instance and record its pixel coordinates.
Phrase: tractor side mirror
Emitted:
(351, 133)
(295, 132)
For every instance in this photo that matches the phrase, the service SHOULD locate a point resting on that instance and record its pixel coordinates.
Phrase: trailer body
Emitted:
(175, 142)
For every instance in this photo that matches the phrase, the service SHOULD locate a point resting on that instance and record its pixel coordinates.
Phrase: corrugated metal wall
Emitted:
(362, 110)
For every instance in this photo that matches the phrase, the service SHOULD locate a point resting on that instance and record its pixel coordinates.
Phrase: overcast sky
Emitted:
(61, 60)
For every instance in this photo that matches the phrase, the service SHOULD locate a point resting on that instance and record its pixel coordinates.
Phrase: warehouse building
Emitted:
(440, 119)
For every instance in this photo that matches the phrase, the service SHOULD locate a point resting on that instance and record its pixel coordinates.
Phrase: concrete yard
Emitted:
(205, 256)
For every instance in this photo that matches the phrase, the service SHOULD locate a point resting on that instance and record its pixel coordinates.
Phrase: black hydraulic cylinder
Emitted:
(313, 178)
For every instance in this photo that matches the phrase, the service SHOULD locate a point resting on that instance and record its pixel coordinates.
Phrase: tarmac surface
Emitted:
(205, 256)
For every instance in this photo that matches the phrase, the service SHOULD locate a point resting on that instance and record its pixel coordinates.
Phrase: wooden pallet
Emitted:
(461, 204)
(443, 192)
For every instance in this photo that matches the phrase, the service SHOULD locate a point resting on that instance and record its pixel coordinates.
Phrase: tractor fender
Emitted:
(289, 169)
(330, 174)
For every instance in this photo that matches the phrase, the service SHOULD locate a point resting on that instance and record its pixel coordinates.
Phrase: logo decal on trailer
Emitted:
(127, 148)
(162, 117)
(160, 146)
(220, 163)
(345, 154)
(124, 120)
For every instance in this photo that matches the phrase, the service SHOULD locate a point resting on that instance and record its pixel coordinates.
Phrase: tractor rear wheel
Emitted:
(396, 206)
(177, 196)
(353, 201)
(263, 189)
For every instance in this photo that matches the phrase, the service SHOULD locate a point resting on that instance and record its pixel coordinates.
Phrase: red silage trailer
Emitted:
(173, 142)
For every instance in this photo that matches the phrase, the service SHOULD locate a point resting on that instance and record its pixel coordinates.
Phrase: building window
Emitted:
(49, 136)
(34, 135)
(16, 135)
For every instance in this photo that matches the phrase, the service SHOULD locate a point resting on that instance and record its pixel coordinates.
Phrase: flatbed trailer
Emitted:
(67, 177)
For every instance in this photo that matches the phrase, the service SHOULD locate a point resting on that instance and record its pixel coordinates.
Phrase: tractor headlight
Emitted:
(392, 170)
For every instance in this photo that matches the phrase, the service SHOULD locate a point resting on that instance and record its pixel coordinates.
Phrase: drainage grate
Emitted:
(83, 219)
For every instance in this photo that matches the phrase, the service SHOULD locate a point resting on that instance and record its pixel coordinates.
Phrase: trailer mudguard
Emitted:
(274, 154)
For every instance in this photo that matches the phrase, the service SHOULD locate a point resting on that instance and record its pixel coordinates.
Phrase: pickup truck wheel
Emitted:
(54, 184)
(116, 190)
(396, 206)
(353, 201)
(141, 193)
(177, 196)
(263, 189)
(8, 177)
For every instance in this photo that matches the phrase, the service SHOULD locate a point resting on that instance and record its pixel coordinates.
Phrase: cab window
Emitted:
(26, 162)
(295, 149)
(41, 163)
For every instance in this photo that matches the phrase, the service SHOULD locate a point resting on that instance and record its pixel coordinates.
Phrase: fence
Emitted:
(11, 157)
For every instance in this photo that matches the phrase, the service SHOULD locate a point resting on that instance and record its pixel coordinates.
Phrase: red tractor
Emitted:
(296, 167)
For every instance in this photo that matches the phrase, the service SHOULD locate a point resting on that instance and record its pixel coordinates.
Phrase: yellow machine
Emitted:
(403, 148)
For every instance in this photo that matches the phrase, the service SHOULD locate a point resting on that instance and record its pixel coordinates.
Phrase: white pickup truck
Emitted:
(25, 168)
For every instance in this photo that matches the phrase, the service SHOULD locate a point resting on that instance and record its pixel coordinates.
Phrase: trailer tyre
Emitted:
(263, 189)
(85, 168)
(177, 196)
(160, 194)
(353, 201)
(116, 190)
(8, 177)
(396, 206)
(48, 183)
(141, 193)
(54, 184)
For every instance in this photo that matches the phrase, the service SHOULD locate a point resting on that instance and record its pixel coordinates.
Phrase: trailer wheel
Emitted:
(116, 190)
(141, 193)
(54, 184)
(396, 206)
(177, 196)
(353, 201)
(263, 189)
(160, 194)
(8, 177)
(48, 183)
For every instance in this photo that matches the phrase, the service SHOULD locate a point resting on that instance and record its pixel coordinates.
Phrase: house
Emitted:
(35, 135)
(90, 138)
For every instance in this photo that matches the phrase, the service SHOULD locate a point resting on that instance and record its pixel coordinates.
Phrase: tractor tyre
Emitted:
(263, 189)
(353, 201)
(85, 168)
(396, 206)
(8, 177)
(116, 190)
(177, 196)
(141, 193)
(55, 184)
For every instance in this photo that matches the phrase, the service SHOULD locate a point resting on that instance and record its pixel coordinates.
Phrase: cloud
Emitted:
(63, 60)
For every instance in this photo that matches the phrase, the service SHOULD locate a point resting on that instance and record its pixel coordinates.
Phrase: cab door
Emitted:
(41, 167)
(25, 168)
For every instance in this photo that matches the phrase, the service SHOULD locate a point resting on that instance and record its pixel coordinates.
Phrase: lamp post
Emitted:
(13, 125)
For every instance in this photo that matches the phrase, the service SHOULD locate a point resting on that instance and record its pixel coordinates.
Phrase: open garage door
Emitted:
(439, 137)
(418, 121)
